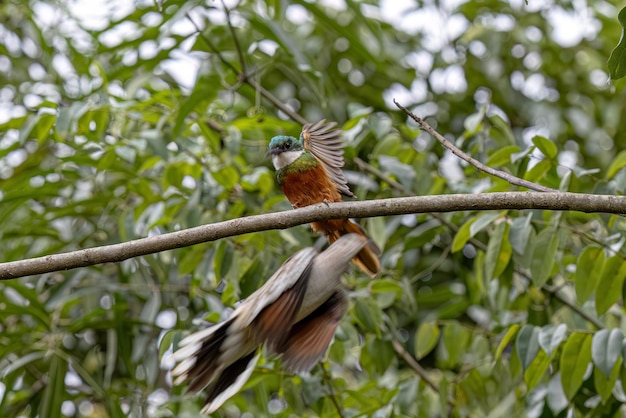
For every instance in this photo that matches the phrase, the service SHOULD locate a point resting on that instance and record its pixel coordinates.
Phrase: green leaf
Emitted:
(482, 221)
(506, 339)
(22, 361)
(500, 251)
(522, 154)
(41, 131)
(616, 165)
(227, 177)
(547, 147)
(575, 358)
(502, 156)
(455, 339)
(538, 172)
(426, 338)
(444, 393)
(504, 128)
(536, 370)
(550, 337)
(386, 286)
(54, 390)
(606, 347)
(525, 260)
(610, 286)
(376, 231)
(617, 59)
(368, 314)
(588, 272)
(166, 341)
(462, 236)
(519, 233)
(382, 354)
(544, 256)
(605, 384)
(252, 279)
(223, 259)
(527, 344)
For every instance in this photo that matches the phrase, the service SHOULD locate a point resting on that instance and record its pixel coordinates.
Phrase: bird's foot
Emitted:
(326, 202)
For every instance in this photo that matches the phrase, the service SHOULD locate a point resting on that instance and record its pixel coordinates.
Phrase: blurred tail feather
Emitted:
(367, 260)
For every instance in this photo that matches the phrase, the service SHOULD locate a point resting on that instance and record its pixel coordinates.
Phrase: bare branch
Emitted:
(242, 61)
(241, 76)
(331, 392)
(397, 346)
(516, 181)
(373, 170)
(554, 291)
(287, 219)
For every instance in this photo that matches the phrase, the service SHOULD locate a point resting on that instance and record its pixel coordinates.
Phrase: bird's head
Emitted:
(284, 150)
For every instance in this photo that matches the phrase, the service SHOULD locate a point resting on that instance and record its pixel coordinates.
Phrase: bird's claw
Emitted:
(326, 202)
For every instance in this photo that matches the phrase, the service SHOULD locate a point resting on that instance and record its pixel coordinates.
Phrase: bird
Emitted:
(309, 171)
(295, 314)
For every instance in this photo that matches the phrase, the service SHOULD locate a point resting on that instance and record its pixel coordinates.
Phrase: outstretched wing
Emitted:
(326, 144)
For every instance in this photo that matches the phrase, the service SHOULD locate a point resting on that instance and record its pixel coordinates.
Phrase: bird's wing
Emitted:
(308, 339)
(198, 355)
(283, 286)
(229, 382)
(326, 144)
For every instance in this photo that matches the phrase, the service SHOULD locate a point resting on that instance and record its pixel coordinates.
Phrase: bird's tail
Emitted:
(219, 358)
(368, 258)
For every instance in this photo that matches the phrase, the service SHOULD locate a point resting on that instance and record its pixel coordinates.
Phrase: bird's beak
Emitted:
(271, 152)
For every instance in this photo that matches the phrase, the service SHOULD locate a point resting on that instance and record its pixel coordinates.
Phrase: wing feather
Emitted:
(310, 337)
(326, 144)
(286, 277)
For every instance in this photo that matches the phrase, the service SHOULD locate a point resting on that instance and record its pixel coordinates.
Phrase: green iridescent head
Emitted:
(282, 143)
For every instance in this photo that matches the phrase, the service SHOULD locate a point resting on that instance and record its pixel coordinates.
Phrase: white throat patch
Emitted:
(285, 158)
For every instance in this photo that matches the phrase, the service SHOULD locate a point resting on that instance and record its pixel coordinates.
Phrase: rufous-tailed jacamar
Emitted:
(309, 171)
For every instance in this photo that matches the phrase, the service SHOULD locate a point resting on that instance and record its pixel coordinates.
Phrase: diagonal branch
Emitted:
(244, 78)
(242, 61)
(281, 220)
(397, 346)
(516, 181)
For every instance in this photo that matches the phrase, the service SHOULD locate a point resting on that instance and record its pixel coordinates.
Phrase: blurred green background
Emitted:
(119, 121)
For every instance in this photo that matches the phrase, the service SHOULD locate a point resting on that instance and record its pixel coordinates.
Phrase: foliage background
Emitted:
(107, 135)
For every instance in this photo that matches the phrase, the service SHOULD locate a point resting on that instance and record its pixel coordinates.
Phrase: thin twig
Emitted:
(399, 348)
(555, 292)
(331, 392)
(434, 266)
(212, 47)
(481, 246)
(242, 62)
(256, 86)
(215, 126)
(373, 170)
(480, 166)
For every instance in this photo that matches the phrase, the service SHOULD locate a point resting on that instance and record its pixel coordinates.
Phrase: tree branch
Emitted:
(554, 291)
(242, 61)
(244, 78)
(331, 392)
(516, 181)
(397, 346)
(287, 219)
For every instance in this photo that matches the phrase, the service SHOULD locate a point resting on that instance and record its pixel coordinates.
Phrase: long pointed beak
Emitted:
(270, 152)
